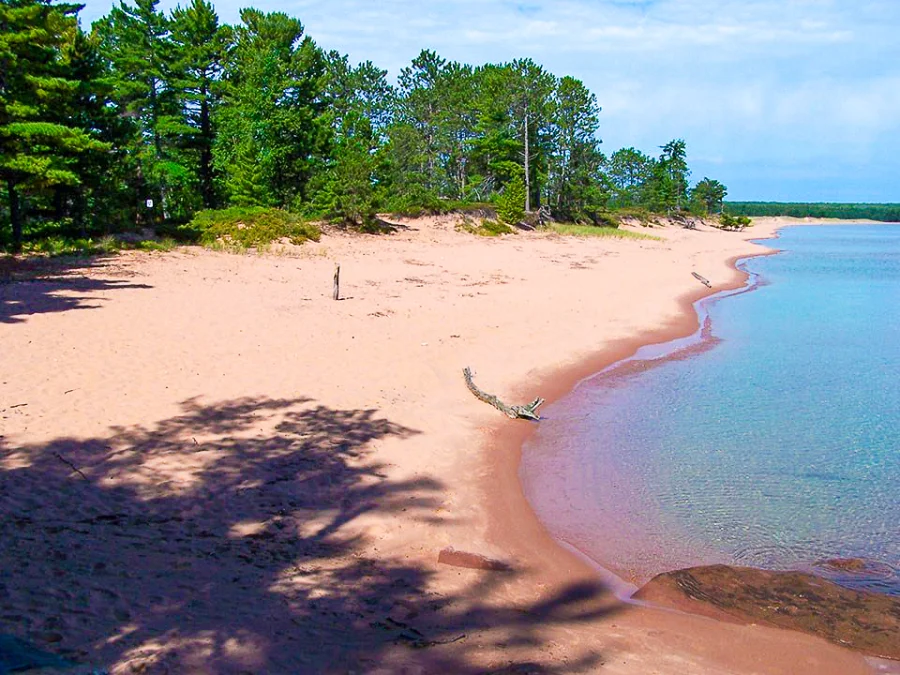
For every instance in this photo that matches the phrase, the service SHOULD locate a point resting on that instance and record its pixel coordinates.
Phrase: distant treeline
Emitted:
(149, 117)
(889, 213)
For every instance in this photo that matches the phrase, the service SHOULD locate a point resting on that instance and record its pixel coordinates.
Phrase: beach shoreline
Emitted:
(241, 440)
(614, 357)
(516, 508)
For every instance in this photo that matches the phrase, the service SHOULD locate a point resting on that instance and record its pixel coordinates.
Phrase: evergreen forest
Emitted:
(147, 119)
(889, 213)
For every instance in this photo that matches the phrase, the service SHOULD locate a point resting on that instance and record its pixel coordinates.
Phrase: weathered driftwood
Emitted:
(525, 412)
(336, 290)
(702, 280)
(686, 222)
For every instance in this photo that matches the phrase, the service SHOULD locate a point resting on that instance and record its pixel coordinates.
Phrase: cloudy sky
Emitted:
(792, 100)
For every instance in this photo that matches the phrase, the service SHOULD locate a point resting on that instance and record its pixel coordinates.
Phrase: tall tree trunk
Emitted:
(157, 145)
(206, 181)
(59, 202)
(527, 168)
(79, 211)
(141, 190)
(15, 215)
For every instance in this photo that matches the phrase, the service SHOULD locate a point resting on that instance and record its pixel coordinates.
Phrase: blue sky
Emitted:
(793, 100)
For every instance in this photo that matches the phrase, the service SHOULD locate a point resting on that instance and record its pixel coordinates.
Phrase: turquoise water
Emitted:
(772, 441)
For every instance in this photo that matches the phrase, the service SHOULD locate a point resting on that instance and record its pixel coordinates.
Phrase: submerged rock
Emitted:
(868, 622)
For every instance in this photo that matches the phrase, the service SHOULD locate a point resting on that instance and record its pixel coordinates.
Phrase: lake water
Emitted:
(771, 440)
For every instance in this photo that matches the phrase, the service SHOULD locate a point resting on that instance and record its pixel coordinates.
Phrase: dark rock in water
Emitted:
(475, 561)
(868, 622)
(846, 564)
(19, 656)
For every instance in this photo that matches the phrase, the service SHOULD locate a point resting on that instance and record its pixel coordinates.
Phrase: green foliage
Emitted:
(272, 127)
(666, 188)
(606, 219)
(250, 227)
(57, 245)
(200, 47)
(888, 213)
(511, 203)
(39, 142)
(134, 40)
(345, 192)
(163, 245)
(191, 114)
(729, 222)
(417, 202)
(576, 186)
(348, 194)
(708, 196)
(487, 227)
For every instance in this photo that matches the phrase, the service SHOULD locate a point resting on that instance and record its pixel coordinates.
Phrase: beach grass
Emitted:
(487, 227)
(573, 230)
(60, 246)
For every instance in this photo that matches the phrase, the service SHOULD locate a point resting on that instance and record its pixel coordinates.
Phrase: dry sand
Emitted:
(209, 466)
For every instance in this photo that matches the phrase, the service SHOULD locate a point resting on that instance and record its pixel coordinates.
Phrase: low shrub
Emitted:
(511, 203)
(59, 246)
(249, 227)
(729, 222)
(164, 244)
(487, 227)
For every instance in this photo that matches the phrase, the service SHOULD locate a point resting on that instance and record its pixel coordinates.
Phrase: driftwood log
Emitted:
(525, 412)
(702, 280)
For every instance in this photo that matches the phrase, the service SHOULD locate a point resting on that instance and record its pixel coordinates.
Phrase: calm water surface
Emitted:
(773, 441)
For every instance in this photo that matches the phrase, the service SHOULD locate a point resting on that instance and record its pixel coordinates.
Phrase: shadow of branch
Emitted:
(224, 539)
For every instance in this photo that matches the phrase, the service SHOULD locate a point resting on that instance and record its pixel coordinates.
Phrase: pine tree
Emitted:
(200, 46)
(628, 172)
(273, 105)
(518, 96)
(135, 42)
(575, 187)
(38, 145)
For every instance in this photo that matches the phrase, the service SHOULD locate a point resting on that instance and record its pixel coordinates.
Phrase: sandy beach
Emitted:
(210, 466)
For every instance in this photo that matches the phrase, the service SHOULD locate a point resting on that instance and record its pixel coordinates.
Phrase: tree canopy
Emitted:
(149, 117)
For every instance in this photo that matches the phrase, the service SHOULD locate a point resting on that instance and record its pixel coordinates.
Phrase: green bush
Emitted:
(511, 204)
(729, 222)
(606, 219)
(250, 227)
(164, 244)
(59, 246)
(414, 202)
(494, 228)
(487, 228)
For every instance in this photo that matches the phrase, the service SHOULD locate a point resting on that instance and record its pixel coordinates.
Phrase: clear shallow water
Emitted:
(774, 441)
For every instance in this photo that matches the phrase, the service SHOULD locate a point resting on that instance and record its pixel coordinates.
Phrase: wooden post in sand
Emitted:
(336, 293)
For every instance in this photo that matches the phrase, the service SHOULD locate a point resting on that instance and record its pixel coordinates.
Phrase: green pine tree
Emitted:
(200, 46)
(39, 147)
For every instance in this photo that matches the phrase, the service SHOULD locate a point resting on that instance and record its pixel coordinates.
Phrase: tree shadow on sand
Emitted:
(221, 541)
(42, 285)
